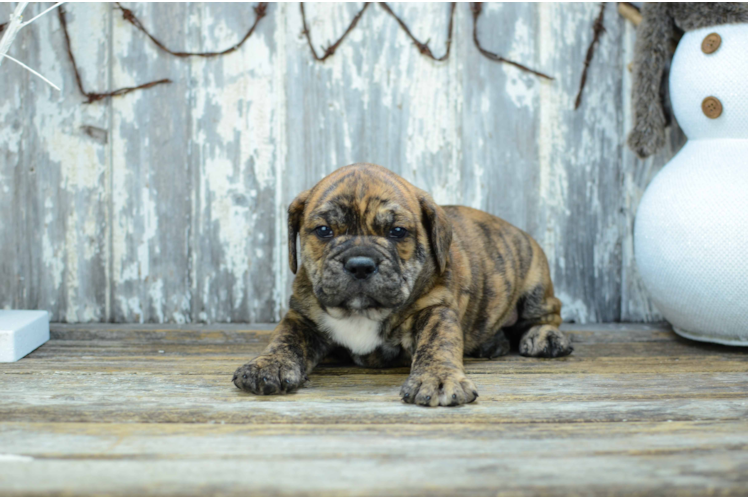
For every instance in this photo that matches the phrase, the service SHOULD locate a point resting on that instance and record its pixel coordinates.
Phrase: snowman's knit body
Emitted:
(691, 232)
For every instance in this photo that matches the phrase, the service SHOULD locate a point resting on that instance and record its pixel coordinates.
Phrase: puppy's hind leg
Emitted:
(539, 313)
(495, 347)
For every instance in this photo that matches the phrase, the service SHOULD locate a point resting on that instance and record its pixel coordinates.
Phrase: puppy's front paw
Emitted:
(436, 387)
(270, 374)
(545, 342)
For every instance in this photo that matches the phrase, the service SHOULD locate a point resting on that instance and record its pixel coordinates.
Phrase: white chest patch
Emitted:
(358, 333)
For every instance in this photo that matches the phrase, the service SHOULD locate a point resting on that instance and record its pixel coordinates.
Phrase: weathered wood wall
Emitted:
(168, 205)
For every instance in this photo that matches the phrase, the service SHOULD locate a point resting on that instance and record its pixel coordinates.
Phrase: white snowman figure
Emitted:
(691, 228)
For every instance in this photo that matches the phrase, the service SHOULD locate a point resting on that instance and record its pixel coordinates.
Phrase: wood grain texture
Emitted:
(150, 410)
(234, 147)
(499, 132)
(580, 162)
(152, 189)
(54, 155)
(14, 265)
(578, 459)
(168, 205)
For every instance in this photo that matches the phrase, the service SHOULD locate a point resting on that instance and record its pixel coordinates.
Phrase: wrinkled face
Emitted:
(363, 240)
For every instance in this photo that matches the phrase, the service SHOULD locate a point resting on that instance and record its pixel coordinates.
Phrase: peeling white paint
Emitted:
(280, 254)
(493, 9)
(573, 308)
(51, 252)
(127, 248)
(235, 115)
(5, 457)
(520, 86)
(156, 295)
(10, 136)
(72, 283)
(234, 222)
(579, 158)
(551, 145)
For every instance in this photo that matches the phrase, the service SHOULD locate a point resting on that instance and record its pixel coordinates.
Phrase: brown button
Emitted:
(711, 107)
(711, 43)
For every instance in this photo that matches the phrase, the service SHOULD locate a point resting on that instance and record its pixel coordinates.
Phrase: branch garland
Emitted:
(96, 96)
(260, 12)
(477, 9)
(598, 30)
(423, 48)
(330, 50)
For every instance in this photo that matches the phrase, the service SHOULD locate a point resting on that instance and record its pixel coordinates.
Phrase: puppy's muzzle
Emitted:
(360, 267)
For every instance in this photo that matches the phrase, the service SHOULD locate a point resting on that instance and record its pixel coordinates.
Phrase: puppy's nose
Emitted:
(361, 267)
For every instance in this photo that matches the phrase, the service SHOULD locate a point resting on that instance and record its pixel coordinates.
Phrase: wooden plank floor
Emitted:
(133, 410)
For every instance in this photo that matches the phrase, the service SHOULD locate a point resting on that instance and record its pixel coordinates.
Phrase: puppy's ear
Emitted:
(439, 228)
(295, 213)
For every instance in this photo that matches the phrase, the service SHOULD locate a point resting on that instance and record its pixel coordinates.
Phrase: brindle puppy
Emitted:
(396, 279)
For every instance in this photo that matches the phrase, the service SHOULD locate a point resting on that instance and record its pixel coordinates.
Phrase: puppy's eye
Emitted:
(324, 232)
(398, 233)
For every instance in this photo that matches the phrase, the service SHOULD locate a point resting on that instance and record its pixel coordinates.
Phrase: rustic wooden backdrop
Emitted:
(168, 205)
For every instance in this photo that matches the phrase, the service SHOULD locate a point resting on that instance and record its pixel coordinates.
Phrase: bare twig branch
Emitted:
(94, 96)
(598, 29)
(330, 50)
(423, 48)
(13, 26)
(30, 70)
(477, 9)
(260, 12)
(40, 15)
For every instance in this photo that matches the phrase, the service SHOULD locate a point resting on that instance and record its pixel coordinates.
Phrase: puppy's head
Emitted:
(366, 236)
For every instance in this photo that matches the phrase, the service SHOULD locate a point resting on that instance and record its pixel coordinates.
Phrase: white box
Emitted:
(21, 332)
